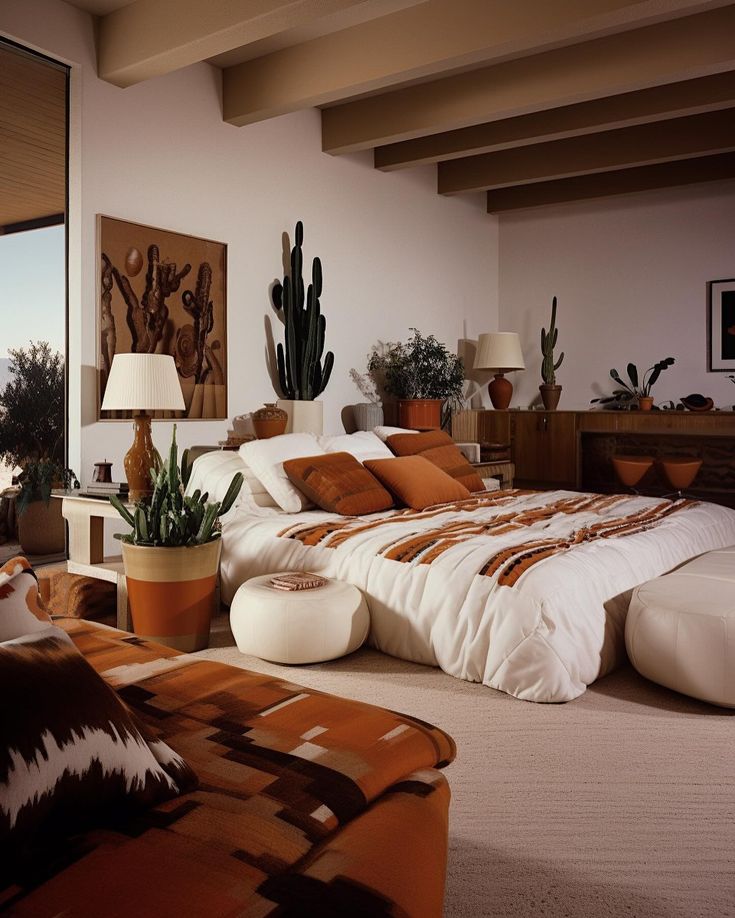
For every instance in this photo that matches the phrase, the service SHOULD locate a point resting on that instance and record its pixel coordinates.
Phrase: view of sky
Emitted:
(32, 288)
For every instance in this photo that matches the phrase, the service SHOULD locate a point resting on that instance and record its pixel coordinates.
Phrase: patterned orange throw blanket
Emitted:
(508, 559)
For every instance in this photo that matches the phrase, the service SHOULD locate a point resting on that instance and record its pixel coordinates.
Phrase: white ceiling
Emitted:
(99, 7)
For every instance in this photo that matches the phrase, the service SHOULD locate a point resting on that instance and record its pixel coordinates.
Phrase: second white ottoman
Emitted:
(680, 629)
(301, 626)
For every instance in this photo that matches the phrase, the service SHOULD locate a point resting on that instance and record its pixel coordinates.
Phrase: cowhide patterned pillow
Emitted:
(21, 608)
(72, 755)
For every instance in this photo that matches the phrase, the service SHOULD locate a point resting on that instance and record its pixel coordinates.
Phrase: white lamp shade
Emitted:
(499, 351)
(143, 382)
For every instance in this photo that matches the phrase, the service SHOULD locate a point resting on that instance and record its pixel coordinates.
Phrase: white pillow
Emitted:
(363, 445)
(384, 432)
(266, 458)
(212, 472)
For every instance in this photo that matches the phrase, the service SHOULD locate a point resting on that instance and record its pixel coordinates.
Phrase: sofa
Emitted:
(307, 804)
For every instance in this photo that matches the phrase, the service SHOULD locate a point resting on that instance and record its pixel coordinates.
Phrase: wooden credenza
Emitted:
(574, 449)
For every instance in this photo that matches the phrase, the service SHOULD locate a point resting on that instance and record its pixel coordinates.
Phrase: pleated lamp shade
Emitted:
(143, 382)
(500, 351)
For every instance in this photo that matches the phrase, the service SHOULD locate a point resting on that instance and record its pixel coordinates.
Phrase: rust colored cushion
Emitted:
(417, 482)
(339, 483)
(441, 450)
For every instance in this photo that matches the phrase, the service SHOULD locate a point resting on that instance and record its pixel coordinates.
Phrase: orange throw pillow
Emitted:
(417, 482)
(441, 450)
(339, 483)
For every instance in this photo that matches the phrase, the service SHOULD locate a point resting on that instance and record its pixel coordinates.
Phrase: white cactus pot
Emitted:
(303, 417)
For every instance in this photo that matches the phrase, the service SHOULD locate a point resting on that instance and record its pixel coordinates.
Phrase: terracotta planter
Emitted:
(41, 529)
(172, 592)
(420, 413)
(550, 396)
(269, 421)
(645, 402)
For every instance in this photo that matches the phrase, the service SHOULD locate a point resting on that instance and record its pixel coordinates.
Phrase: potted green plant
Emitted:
(423, 375)
(550, 391)
(301, 375)
(637, 390)
(32, 438)
(171, 556)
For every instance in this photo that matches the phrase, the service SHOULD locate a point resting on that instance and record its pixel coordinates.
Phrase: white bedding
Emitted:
(546, 636)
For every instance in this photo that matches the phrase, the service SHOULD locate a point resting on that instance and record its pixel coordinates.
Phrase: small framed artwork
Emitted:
(721, 326)
(161, 292)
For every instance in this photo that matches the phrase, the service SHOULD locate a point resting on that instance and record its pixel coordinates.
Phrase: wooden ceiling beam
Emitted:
(624, 181)
(148, 38)
(660, 103)
(644, 144)
(667, 52)
(418, 43)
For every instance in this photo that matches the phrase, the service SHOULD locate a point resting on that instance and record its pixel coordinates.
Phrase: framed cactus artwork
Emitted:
(161, 292)
(721, 326)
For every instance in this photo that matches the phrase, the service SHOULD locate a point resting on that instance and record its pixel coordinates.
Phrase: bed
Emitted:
(523, 591)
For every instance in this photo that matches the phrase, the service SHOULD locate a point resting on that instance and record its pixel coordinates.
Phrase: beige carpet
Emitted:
(621, 803)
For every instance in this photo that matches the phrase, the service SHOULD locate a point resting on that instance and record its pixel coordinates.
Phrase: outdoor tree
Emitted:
(32, 405)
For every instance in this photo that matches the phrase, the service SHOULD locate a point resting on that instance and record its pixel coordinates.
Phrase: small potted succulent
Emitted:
(423, 375)
(550, 391)
(637, 390)
(171, 556)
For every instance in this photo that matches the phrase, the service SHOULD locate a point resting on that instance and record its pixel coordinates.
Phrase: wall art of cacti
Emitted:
(548, 343)
(301, 375)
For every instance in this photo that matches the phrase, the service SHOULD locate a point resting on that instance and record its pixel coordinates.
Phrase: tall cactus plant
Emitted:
(300, 372)
(548, 343)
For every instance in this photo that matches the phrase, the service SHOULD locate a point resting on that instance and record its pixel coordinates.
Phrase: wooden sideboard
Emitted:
(574, 449)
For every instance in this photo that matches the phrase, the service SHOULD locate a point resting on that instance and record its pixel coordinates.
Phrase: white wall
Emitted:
(630, 275)
(395, 254)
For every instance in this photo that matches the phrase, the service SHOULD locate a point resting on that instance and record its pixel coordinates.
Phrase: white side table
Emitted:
(301, 626)
(86, 518)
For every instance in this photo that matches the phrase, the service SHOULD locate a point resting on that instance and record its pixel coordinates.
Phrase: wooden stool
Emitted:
(680, 473)
(631, 469)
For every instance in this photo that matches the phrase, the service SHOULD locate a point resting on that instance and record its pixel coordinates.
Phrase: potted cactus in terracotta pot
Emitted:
(171, 556)
(550, 390)
(301, 375)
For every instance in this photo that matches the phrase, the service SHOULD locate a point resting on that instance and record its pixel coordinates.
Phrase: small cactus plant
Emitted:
(548, 343)
(170, 518)
(300, 372)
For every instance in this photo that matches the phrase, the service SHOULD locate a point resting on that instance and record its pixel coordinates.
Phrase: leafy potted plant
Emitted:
(550, 391)
(301, 375)
(636, 390)
(423, 375)
(32, 437)
(171, 557)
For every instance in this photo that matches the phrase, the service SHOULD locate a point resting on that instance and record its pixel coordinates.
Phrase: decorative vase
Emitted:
(269, 421)
(303, 416)
(550, 395)
(645, 402)
(172, 592)
(41, 528)
(420, 413)
(367, 415)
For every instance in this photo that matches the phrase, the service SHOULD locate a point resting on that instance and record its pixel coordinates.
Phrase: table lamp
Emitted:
(141, 383)
(501, 352)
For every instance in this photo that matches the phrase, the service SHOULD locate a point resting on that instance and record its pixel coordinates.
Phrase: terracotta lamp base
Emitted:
(501, 392)
(140, 459)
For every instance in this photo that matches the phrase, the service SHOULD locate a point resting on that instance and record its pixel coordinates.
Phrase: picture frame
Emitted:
(165, 292)
(721, 325)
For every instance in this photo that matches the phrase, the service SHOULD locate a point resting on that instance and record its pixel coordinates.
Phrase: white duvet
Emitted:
(525, 592)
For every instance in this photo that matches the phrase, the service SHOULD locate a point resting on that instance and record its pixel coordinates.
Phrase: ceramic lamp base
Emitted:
(501, 392)
(140, 459)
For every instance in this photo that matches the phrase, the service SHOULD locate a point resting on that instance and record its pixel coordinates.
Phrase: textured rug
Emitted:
(621, 803)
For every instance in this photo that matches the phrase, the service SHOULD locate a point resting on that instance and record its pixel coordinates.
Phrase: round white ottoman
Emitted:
(301, 626)
(680, 629)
